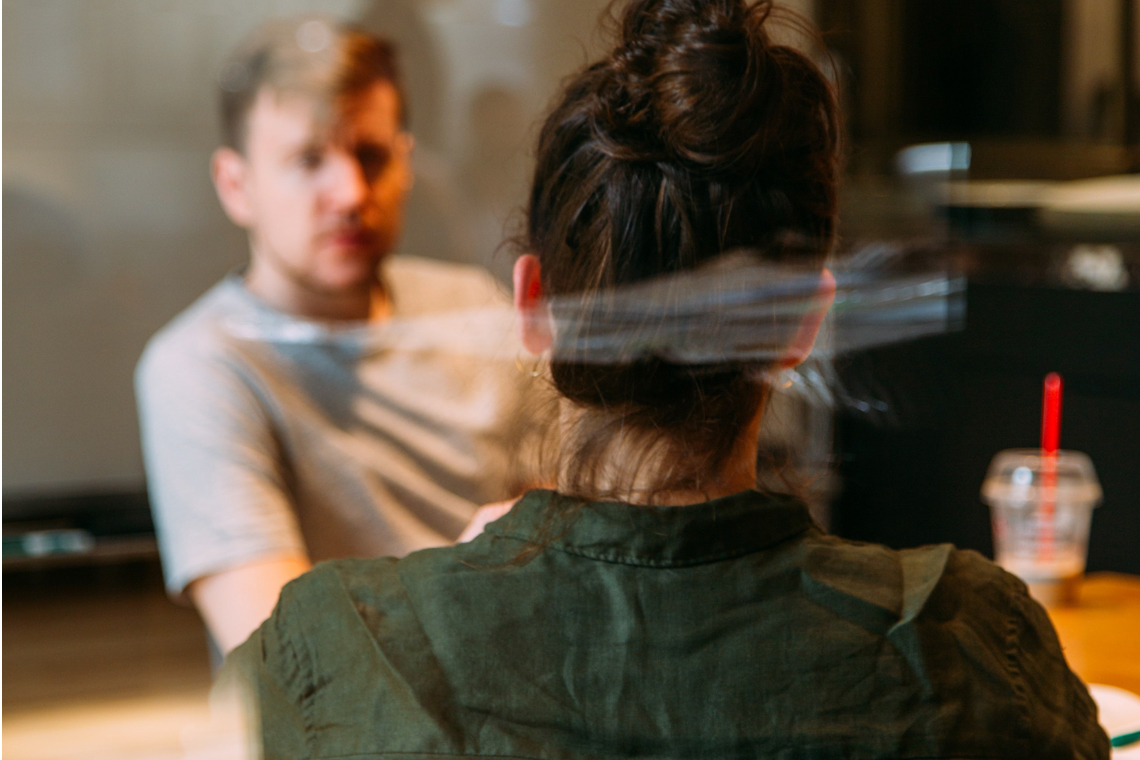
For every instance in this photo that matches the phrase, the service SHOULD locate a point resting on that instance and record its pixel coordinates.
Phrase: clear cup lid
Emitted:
(1015, 476)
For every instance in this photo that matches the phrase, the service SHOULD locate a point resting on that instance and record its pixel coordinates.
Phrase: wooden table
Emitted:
(1100, 633)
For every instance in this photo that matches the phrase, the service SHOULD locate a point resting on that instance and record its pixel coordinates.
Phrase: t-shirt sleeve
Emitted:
(215, 471)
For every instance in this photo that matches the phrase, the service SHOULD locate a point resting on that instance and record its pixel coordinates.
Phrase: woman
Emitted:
(655, 605)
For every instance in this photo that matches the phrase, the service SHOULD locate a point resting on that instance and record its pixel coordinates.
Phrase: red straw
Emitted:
(1050, 442)
(1051, 415)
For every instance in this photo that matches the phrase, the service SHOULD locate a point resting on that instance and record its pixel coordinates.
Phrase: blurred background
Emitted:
(995, 139)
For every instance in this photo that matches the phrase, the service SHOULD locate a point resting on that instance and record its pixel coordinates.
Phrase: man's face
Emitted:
(323, 202)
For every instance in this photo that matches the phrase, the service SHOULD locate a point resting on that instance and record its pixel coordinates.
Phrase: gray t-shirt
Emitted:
(267, 435)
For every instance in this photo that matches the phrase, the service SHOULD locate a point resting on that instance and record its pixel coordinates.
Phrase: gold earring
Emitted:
(532, 372)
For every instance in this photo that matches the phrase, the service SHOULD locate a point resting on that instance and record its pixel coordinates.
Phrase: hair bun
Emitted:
(699, 81)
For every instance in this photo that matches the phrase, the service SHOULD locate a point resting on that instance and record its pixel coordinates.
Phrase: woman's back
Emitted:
(731, 628)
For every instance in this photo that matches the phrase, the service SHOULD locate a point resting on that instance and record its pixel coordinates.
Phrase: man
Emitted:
(285, 418)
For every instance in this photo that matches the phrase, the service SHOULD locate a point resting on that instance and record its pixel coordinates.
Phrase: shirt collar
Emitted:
(482, 332)
(655, 536)
(250, 318)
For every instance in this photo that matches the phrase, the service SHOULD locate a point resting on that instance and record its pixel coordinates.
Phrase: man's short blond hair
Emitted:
(309, 56)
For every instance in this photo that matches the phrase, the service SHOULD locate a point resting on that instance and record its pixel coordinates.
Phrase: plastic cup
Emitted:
(1041, 519)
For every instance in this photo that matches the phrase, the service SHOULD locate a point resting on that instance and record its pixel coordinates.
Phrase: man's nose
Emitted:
(347, 182)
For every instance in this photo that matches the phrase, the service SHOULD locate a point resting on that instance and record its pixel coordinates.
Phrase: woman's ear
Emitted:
(228, 170)
(802, 344)
(530, 305)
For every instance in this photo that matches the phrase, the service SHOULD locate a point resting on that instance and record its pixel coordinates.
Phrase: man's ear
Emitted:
(530, 305)
(409, 148)
(802, 344)
(229, 171)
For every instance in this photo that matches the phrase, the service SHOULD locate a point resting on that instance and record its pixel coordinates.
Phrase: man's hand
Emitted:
(485, 514)
(235, 602)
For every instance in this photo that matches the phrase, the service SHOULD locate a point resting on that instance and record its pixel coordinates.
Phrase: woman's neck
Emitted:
(635, 470)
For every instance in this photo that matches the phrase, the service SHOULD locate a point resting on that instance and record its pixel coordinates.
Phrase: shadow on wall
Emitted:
(434, 220)
(44, 247)
(399, 21)
(54, 330)
(496, 172)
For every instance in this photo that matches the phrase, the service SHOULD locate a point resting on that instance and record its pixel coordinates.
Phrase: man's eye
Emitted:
(311, 159)
(373, 159)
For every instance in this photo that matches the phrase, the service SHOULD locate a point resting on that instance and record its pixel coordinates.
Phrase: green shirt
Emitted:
(729, 629)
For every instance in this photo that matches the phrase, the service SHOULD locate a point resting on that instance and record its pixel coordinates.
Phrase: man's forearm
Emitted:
(235, 602)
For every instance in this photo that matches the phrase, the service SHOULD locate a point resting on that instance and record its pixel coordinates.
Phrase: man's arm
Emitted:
(236, 601)
(218, 484)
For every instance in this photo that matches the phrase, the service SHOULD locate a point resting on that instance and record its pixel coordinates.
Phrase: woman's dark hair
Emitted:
(696, 135)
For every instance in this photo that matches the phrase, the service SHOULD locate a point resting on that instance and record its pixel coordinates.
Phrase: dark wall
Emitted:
(981, 68)
(913, 475)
